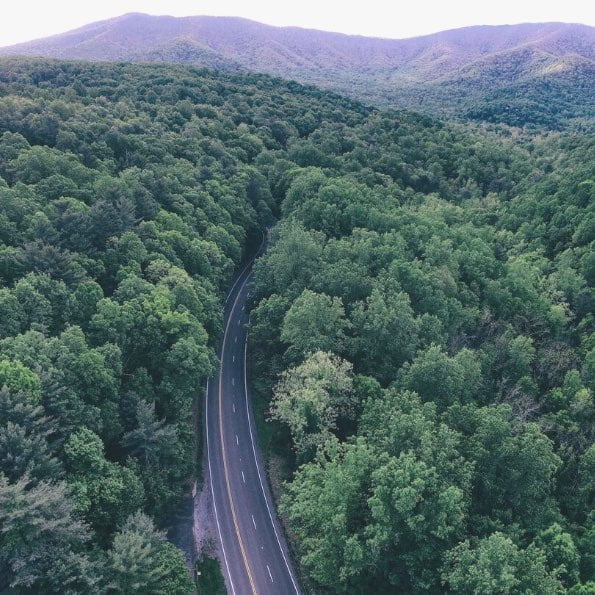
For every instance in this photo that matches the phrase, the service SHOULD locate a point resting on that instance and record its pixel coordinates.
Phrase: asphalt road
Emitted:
(253, 547)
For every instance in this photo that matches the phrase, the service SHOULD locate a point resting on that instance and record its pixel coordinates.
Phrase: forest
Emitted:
(421, 331)
(529, 75)
(423, 324)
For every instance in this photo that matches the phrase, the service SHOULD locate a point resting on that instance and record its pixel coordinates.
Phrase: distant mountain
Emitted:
(528, 73)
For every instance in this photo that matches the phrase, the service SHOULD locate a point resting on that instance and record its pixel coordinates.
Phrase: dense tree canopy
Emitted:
(462, 295)
(422, 324)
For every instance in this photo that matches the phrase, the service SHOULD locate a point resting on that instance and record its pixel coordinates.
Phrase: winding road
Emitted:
(255, 558)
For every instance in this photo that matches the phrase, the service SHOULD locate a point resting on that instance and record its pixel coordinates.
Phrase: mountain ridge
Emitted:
(383, 71)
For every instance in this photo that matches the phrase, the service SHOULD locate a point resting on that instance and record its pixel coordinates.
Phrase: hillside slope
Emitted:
(451, 72)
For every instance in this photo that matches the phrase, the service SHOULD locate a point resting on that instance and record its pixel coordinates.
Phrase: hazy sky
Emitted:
(22, 20)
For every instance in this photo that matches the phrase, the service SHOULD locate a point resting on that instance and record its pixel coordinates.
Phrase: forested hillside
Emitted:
(422, 324)
(530, 74)
(426, 342)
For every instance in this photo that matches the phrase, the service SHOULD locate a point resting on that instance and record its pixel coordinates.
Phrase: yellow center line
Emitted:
(225, 470)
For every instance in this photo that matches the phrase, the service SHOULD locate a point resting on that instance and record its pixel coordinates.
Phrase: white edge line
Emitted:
(213, 492)
(258, 471)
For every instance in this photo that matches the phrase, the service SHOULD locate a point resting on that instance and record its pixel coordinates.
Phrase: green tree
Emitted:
(10, 315)
(291, 261)
(319, 502)
(141, 561)
(314, 322)
(151, 438)
(386, 333)
(26, 452)
(42, 542)
(105, 493)
(515, 466)
(442, 379)
(496, 565)
(311, 399)
(377, 514)
(20, 379)
(587, 549)
(561, 555)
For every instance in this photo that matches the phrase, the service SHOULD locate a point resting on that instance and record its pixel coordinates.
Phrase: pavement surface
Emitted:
(255, 558)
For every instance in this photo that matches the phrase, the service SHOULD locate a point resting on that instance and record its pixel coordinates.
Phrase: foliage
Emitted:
(128, 195)
(422, 322)
(531, 74)
(42, 541)
(497, 565)
(312, 397)
(468, 300)
(209, 577)
(141, 561)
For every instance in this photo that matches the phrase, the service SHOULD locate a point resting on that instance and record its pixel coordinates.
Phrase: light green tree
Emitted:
(311, 398)
(496, 565)
(19, 379)
(141, 561)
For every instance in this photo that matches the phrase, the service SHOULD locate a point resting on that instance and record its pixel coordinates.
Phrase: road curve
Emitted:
(255, 558)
